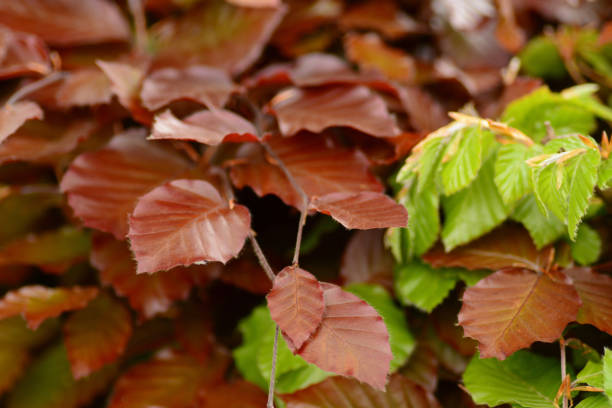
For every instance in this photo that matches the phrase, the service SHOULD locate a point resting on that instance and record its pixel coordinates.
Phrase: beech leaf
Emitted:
(352, 339)
(363, 210)
(207, 127)
(594, 290)
(296, 304)
(366, 260)
(13, 116)
(96, 335)
(38, 303)
(318, 109)
(511, 309)
(23, 54)
(543, 230)
(104, 186)
(183, 222)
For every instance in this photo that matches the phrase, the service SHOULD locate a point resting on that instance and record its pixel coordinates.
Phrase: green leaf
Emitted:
(607, 373)
(19, 213)
(586, 249)
(462, 159)
(540, 58)
(524, 378)
(418, 284)
(581, 176)
(547, 189)
(400, 338)
(530, 113)
(245, 356)
(591, 374)
(429, 161)
(605, 174)
(511, 172)
(542, 229)
(474, 210)
(595, 401)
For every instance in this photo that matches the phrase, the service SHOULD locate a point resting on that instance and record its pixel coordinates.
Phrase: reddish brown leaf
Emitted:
(371, 53)
(296, 304)
(339, 392)
(256, 3)
(126, 80)
(183, 222)
(318, 109)
(147, 294)
(381, 15)
(351, 340)
(104, 186)
(22, 54)
(595, 291)
(67, 22)
(37, 303)
(207, 127)
(216, 34)
(424, 112)
(511, 309)
(168, 380)
(238, 394)
(319, 169)
(365, 259)
(364, 210)
(507, 247)
(84, 87)
(96, 335)
(246, 274)
(422, 368)
(208, 86)
(194, 330)
(13, 116)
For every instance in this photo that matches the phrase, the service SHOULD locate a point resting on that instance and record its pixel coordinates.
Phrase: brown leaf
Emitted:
(318, 168)
(147, 294)
(511, 309)
(352, 339)
(507, 247)
(339, 392)
(246, 274)
(206, 85)
(422, 368)
(595, 291)
(216, 34)
(425, 113)
(296, 304)
(13, 116)
(183, 222)
(38, 303)
(365, 259)
(67, 22)
(22, 54)
(381, 15)
(194, 330)
(126, 81)
(238, 394)
(210, 127)
(317, 109)
(104, 186)
(96, 335)
(363, 210)
(84, 87)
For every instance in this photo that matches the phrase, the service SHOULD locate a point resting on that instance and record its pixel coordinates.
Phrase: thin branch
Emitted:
(273, 370)
(261, 257)
(563, 369)
(35, 86)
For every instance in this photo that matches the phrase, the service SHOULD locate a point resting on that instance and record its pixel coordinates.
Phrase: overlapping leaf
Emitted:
(38, 303)
(13, 116)
(351, 340)
(512, 172)
(365, 259)
(364, 210)
(543, 229)
(462, 159)
(104, 186)
(96, 335)
(183, 222)
(594, 290)
(383, 16)
(317, 109)
(511, 309)
(207, 127)
(296, 304)
(82, 87)
(22, 54)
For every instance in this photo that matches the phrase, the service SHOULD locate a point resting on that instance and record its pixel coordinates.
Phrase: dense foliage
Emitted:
(348, 204)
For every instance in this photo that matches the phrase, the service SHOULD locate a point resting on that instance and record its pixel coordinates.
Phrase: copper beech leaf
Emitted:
(22, 54)
(194, 330)
(363, 210)
(317, 109)
(216, 34)
(183, 222)
(317, 167)
(38, 303)
(126, 80)
(67, 22)
(365, 259)
(339, 392)
(512, 308)
(594, 290)
(147, 294)
(81, 87)
(104, 186)
(507, 247)
(170, 379)
(206, 85)
(237, 394)
(207, 127)
(13, 116)
(96, 335)
(384, 16)
(296, 304)
(352, 339)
